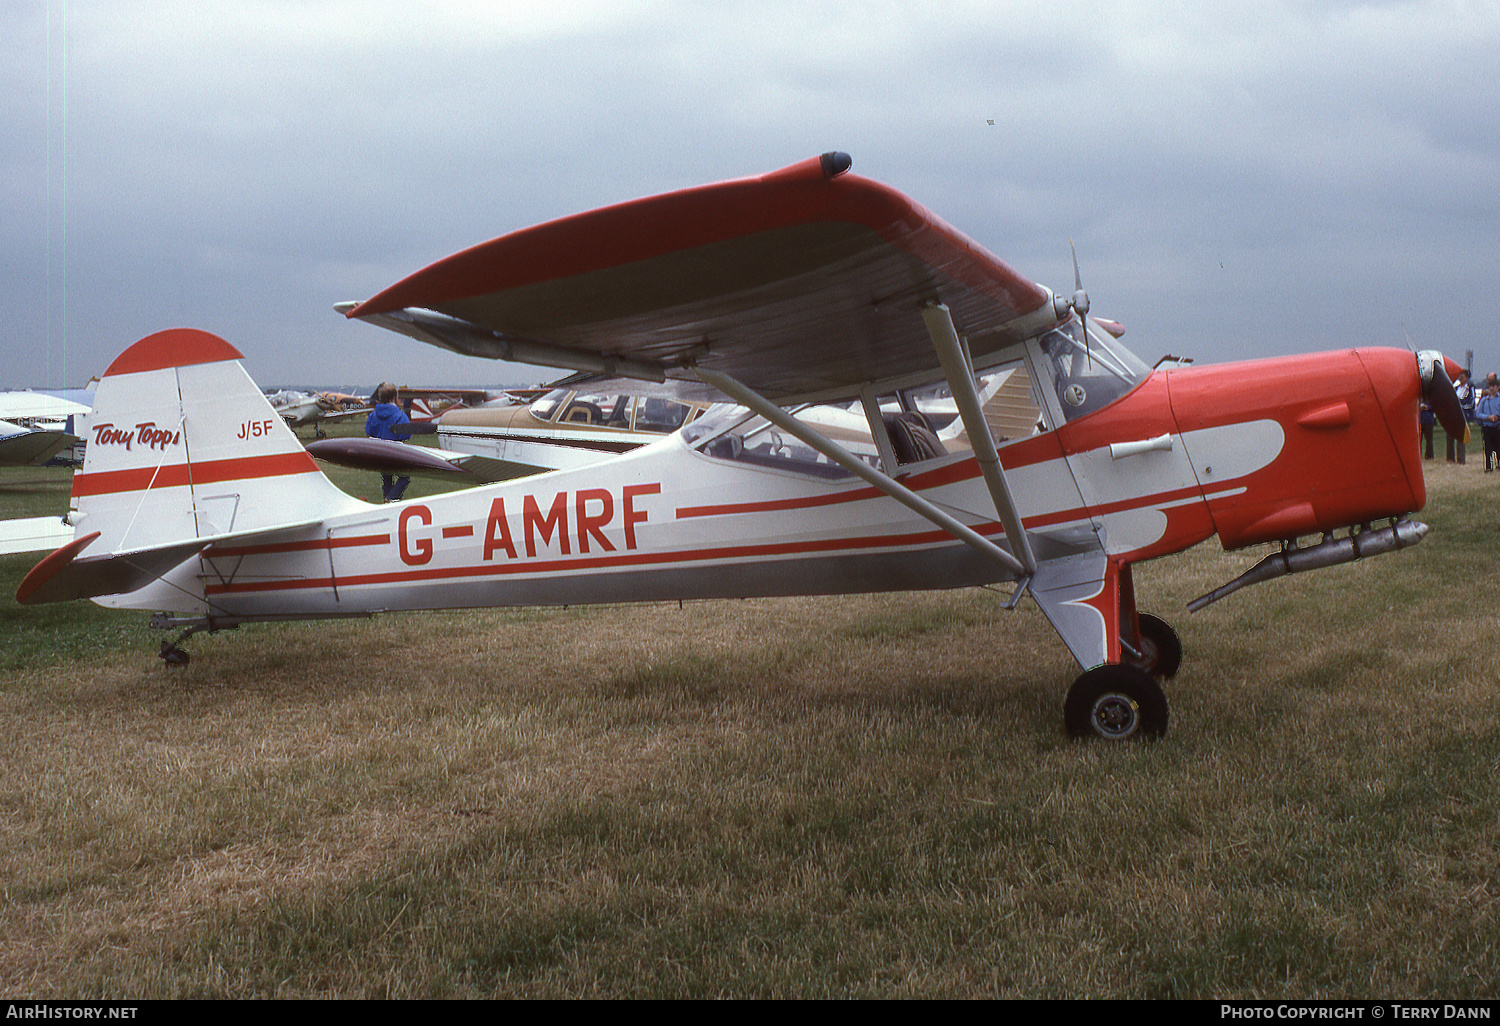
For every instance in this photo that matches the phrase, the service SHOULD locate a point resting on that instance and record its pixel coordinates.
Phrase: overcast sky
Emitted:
(1241, 178)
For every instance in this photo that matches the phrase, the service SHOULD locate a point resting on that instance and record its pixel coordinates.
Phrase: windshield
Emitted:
(546, 406)
(1088, 372)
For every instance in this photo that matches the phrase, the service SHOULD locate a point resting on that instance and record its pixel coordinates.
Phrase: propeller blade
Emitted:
(1438, 391)
(1080, 303)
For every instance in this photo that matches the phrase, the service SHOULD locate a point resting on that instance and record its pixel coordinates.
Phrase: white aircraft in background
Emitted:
(299, 408)
(564, 429)
(37, 427)
(788, 293)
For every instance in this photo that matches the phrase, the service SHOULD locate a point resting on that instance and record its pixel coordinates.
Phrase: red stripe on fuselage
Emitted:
(138, 479)
(298, 546)
(530, 566)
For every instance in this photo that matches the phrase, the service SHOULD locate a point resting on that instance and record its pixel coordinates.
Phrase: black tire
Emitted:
(1160, 647)
(1115, 702)
(175, 657)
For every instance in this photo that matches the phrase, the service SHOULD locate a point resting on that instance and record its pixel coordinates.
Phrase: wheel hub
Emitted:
(1115, 716)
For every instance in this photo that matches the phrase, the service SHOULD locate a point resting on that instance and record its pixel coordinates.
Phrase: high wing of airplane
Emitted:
(39, 427)
(32, 447)
(803, 295)
(36, 408)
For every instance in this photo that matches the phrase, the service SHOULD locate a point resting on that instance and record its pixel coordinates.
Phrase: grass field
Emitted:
(862, 797)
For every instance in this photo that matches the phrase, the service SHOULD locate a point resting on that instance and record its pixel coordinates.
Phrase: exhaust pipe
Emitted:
(1331, 551)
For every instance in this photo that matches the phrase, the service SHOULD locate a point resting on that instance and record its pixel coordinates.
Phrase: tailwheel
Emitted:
(1161, 651)
(1116, 702)
(172, 655)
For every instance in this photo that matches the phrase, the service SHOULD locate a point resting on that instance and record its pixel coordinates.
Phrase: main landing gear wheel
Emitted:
(1161, 651)
(1116, 702)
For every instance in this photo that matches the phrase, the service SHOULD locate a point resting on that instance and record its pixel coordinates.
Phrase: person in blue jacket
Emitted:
(379, 424)
(1487, 412)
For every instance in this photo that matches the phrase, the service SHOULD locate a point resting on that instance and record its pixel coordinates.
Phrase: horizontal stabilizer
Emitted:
(63, 576)
(386, 457)
(34, 534)
(383, 455)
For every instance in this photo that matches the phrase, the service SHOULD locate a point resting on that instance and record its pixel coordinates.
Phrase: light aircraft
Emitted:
(32, 447)
(565, 428)
(427, 404)
(300, 408)
(38, 427)
(785, 293)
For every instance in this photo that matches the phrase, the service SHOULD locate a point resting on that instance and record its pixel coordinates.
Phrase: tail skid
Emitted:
(184, 450)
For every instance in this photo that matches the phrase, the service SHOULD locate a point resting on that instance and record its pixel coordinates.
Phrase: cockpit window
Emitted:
(920, 424)
(624, 412)
(1088, 371)
(1005, 395)
(660, 415)
(733, 433)
(546, 406)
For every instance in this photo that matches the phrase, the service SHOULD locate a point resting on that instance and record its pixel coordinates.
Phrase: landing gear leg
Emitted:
(170, 653)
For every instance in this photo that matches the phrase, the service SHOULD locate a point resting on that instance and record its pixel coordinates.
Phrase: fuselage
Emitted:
(1252, 452)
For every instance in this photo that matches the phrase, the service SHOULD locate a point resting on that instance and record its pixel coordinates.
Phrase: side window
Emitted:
(660, 415)
(757, 442)
(921, 424)
(1006, 394)
(584, 408)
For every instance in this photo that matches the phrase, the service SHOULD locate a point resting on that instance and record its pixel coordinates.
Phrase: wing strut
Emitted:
(859, 468)
(959, 370)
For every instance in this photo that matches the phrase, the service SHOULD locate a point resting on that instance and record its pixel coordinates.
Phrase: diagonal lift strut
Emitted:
(958, 368)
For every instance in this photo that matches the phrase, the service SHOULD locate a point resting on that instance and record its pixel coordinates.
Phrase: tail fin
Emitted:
(183, 445)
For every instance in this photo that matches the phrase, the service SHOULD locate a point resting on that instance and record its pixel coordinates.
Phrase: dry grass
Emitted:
(865, 796)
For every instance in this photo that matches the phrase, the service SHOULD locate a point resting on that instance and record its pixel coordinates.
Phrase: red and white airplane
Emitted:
(793, 293)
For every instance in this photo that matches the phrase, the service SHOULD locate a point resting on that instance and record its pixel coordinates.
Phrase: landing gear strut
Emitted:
(170, 653)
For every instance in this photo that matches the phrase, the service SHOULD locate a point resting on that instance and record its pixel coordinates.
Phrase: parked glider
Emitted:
(786, 292)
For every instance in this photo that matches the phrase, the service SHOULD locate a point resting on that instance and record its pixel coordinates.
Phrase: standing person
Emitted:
(379, 424)
(1426, 418)
(1487, 412)
(1466, 398)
